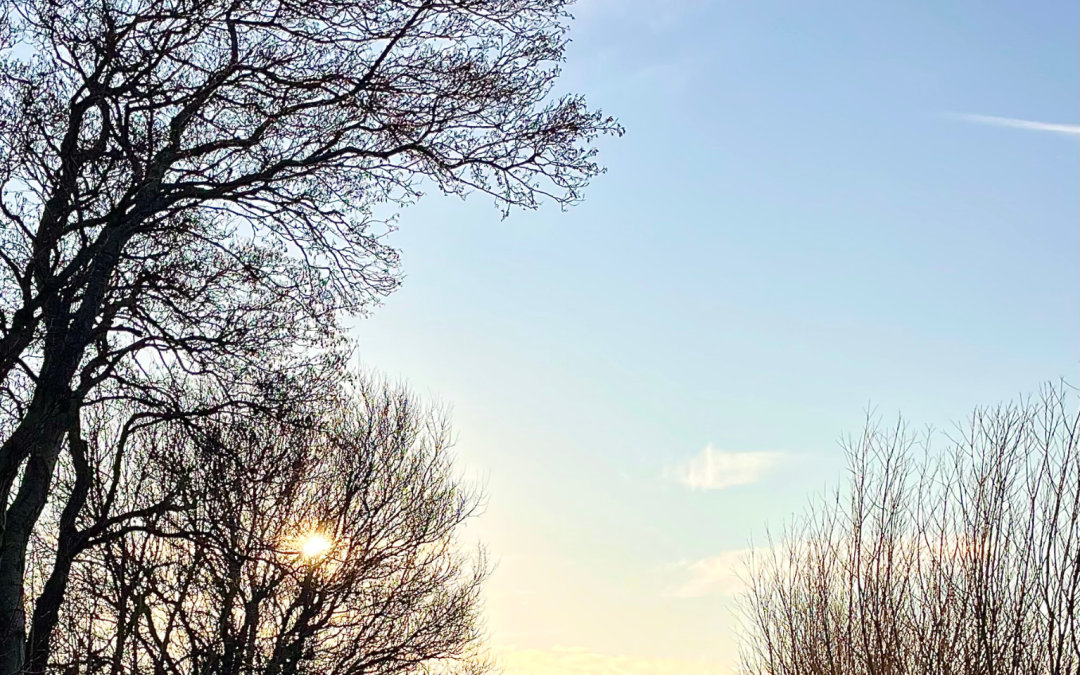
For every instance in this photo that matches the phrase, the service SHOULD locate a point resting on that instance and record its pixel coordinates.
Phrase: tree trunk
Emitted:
(69, 541)
(23, 514)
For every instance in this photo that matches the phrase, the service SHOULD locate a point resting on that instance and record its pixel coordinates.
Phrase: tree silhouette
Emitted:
(190, 198)
(213, 573)
(962, 562)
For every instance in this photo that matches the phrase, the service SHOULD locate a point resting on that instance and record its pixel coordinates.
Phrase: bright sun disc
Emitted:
(314, 545)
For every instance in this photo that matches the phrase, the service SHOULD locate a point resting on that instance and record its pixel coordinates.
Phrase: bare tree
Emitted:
(188, 201)
(320, 544)
(962, 562)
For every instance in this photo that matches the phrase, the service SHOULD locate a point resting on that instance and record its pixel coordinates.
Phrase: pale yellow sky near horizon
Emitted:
(581, 661)
(574, 631)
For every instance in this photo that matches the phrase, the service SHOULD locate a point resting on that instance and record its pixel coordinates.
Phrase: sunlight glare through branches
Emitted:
(314, 545)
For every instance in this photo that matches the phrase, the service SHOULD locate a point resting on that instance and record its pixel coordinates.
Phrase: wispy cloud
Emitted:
(1067, 129)
(727, 573)
(719, 575)
(715, 469)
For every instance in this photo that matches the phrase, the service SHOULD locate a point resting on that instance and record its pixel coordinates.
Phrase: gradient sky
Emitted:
(817, 207)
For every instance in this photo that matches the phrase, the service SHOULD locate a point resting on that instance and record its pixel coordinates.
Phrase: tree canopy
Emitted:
(321, 543)
(190, 195)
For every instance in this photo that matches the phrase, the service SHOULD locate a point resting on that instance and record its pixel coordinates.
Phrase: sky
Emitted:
(818, 209)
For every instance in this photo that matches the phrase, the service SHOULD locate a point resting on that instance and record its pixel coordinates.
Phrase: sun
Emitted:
(314, 545)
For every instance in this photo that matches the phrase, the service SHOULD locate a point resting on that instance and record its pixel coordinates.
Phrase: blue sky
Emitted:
(799, 223)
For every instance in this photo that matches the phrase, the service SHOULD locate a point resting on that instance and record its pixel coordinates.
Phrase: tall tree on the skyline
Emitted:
(189, 199)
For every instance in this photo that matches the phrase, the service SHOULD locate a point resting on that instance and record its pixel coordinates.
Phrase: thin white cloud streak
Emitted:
(715, 469)
(1067, 129)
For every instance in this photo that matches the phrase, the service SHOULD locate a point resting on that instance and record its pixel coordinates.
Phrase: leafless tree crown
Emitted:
(963, 562)
(190, 198)
(212, 577)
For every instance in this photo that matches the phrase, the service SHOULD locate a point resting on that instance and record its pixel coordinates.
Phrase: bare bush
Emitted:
(964, 561)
